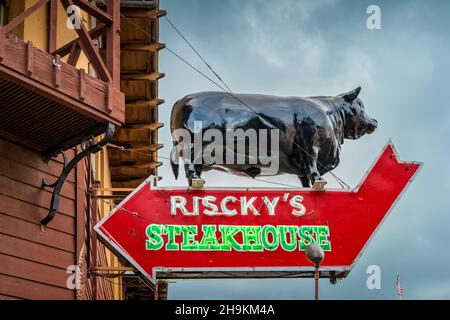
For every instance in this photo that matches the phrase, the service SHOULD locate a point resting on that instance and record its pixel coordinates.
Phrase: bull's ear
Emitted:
(351, 95)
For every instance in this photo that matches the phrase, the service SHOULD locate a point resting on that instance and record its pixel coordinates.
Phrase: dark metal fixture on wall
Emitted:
(68, 166)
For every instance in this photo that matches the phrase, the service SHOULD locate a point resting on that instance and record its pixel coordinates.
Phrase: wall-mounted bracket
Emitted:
(57, 185)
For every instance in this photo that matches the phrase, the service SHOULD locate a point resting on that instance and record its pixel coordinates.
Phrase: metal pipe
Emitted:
(148, 4)
(315, 254)
(316, 282)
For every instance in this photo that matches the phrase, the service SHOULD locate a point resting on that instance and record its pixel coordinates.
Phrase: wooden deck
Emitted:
(47, 104)
(40, 93)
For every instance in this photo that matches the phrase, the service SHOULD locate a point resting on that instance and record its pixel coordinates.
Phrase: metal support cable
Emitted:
(111, 145)
(198, 54)
(229, 92)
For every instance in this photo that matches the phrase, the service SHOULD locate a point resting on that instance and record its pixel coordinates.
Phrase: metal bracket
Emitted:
(57, 185)
(319, 184)
(197, 183)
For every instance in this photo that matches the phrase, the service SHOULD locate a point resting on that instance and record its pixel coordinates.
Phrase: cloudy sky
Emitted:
(323, 47)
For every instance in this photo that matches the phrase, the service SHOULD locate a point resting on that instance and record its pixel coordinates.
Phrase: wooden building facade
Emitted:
(64, 95)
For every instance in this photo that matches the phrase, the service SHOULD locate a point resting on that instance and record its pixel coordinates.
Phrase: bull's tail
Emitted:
(175, 160)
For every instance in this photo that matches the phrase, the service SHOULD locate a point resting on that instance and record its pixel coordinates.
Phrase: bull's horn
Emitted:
(351, 95)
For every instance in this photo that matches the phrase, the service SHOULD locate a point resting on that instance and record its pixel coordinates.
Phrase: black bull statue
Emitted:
(311, 131)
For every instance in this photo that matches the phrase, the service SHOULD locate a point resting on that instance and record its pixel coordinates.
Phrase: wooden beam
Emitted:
(94, 11)
(152, 47)
(127, 172)
(157, 102)
(155, 126)
(156, 146)
(74, 54)
(113, 189)
(89, 49)
(118, 269)
(131, 183)
(141, 103)
(52, 27)
(156, 13)
(19, 19)
(139, 154)
(144, 76)
(94, 33)
(113, 43)
(116, 197)
(137, 133)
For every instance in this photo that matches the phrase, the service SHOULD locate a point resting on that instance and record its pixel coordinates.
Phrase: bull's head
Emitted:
(357, 121)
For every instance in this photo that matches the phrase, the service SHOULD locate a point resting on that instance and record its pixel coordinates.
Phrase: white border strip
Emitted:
(345, 269)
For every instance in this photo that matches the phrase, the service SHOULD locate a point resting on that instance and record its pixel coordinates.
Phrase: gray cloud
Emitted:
(324, 48)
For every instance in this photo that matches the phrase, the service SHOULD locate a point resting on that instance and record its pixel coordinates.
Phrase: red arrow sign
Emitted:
(237, 230)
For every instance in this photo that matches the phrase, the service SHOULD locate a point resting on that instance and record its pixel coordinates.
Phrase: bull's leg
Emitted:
(194, 168)
(314, 175)
(305, 182)
(193, 171)
(306, 140)
(311, 164)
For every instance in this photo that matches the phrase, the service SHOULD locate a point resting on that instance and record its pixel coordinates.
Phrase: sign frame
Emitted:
(332, 272)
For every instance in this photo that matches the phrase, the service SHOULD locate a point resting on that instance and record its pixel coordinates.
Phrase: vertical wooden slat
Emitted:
(57, 71)
(29, 58)
(113, 43)
(108, 102)
(53, 20)
(82, 84)
(2, 43)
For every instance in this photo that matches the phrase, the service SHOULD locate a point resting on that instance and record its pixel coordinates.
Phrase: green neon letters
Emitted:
(237, 238)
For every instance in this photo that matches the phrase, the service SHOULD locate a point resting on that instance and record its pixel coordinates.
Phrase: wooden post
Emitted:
(82, 84)
(53, 16)
(109, 93)
(57, 71)
(113, 43)
(29, 61)
(162, 289)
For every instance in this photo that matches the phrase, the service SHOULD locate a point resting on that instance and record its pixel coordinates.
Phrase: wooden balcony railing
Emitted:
(47, 104)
